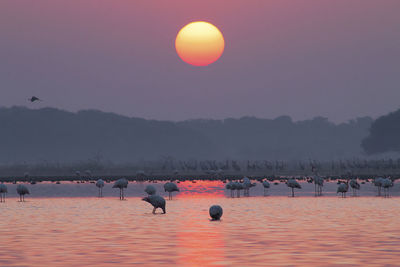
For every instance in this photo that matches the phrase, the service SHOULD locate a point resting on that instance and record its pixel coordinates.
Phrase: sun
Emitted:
(199, 43)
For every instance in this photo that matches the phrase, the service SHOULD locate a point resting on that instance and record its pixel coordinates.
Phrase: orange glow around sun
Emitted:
(199, 43)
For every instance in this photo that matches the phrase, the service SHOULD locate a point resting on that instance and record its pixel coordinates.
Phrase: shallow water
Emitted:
(256, 231)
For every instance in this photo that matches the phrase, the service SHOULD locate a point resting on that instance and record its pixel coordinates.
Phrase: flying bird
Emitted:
(121, 184)
(34, 99)
(156, 201)
(22, 190)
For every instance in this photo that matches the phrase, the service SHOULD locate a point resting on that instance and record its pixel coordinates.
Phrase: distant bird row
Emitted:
(343, 186)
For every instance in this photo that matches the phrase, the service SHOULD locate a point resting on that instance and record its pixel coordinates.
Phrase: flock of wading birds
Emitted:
(157, 201)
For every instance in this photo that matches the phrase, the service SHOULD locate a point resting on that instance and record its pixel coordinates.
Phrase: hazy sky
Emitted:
(339, 59)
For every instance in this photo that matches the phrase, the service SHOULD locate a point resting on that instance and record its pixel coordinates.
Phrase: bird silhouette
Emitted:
(170, 187)
(386, 184)
(156, 201)
(292, 183)
(22, 190)
(246, 186)
(354, 186)
(266, 186)
(34, 99)
(100, 185)
(215, 212)
(121, 184)
(343, 188)
(3, 191)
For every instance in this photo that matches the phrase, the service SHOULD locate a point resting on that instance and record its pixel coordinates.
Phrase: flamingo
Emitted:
(3, 191)
(238, 186)
(386, 184)
(292, 183)
(100, 185)
(156, 201)
(378, 183)
(266, 185)
(170, 187)
(230, 186)
(121, 184)
(319, 183)
(354, 186)
(343, 188)
(22, 190)
(215, 212)
(246, 186)
(150, 190)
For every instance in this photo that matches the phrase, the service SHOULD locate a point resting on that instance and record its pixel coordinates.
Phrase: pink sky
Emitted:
(338, 59)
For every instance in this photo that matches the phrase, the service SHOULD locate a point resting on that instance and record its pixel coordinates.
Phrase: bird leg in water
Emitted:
(292, 192)
(154, 210)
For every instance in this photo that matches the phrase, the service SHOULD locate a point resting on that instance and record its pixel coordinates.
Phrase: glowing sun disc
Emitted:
(199, 43)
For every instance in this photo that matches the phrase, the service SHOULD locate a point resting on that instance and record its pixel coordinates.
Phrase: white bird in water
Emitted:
(150, 190)
(22, 190)
(343, 188)
(292, 183)
(216, 212)
(156, 201)
(354, 186)
(266, 186)
(3, 191)
(170, 187)
(121, 184)
(100, 185)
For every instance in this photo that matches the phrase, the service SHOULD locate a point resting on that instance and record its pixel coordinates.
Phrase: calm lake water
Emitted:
(67, 226)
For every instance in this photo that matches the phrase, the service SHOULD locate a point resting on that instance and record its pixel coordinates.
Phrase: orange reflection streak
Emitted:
(203, 189)
(200, 241)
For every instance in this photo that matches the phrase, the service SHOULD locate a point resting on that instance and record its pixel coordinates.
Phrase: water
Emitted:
(257, 231)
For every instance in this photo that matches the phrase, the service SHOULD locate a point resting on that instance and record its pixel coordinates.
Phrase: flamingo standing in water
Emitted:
(386, 184)
(3, 191)
(343, 188)
(292, 183)
(22, 190)
(266, 186)
(100, 185)
(378, 183)
(354, 186)
(238, 186)
(319, 183)
(170, 187)
(246, 186)
(121, 184)
(216, 212)
(231, 186)
(156, 201)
